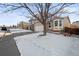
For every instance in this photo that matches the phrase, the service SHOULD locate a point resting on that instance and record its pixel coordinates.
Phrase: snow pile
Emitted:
(19, 30)
(51, 44)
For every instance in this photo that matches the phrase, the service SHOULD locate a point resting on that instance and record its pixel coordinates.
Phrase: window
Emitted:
(56, 23)
(60, 23)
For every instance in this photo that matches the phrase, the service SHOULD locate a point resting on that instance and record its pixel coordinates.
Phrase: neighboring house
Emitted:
(57, 24)
(75, 24)
(23, 25)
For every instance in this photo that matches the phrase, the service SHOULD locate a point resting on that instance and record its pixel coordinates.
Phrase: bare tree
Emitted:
(43, 10)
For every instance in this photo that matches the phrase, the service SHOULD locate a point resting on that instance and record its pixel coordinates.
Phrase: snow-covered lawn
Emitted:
(51, 44)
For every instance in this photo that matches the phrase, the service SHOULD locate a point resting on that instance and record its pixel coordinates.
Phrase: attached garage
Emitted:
(38, 27)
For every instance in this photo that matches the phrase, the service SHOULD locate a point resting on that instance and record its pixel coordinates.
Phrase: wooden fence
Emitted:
(71, 30)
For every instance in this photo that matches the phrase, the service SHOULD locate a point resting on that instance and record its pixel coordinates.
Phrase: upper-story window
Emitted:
(60, 23)
(56, 23)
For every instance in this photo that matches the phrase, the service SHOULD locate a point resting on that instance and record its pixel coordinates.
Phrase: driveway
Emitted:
(8, 46)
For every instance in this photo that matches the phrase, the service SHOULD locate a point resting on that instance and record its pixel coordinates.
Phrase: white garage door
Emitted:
(39, 28)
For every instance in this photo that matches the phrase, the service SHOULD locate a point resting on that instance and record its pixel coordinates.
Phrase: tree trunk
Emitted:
(44, 27)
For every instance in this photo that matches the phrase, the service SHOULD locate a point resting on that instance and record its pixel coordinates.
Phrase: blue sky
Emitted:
(12, 18)
(74, 16)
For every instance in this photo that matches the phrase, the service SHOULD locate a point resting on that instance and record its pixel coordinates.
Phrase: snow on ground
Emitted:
(51, 44)
(2, 33)
(19, 30)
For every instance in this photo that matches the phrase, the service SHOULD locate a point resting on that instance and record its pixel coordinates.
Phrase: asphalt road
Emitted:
(8, 46)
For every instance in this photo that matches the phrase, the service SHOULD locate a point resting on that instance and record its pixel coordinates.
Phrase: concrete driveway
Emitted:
(7, 44)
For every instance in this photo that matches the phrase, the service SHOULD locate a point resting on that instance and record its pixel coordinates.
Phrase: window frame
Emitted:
(56, 23)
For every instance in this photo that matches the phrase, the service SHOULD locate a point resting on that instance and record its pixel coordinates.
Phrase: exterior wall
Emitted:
(58, 27)
(66, 22)
(49, 25)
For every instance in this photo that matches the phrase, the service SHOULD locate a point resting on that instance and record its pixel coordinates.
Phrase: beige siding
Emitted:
(66, 22)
